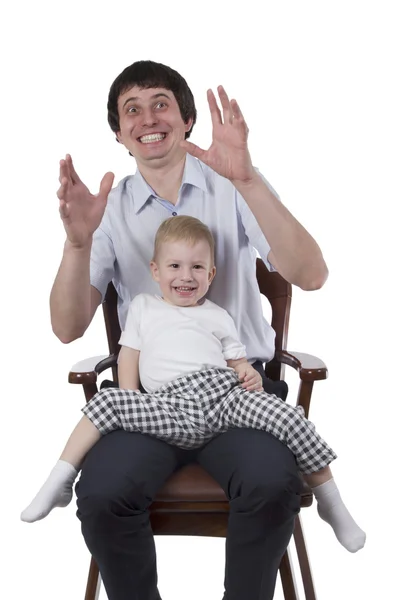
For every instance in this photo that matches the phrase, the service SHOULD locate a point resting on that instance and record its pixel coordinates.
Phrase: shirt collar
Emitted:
(193, 175)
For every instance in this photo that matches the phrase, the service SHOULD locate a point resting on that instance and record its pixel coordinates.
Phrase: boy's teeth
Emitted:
(153, 137)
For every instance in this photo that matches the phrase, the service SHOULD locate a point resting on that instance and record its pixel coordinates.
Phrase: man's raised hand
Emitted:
(81, 212)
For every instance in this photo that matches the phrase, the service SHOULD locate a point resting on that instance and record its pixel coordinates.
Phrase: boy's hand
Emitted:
(249, 377)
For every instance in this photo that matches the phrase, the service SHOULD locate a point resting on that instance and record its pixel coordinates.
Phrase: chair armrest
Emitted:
(86, 371)
(309, 367)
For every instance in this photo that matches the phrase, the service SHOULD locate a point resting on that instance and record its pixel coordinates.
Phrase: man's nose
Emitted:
(149, 118)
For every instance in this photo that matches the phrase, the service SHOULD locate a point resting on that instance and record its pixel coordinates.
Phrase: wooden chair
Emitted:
(191, 502)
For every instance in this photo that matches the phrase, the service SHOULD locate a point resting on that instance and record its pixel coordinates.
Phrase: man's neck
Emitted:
(165, 180)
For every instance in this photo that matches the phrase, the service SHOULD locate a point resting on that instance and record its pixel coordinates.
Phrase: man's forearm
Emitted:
(294, 252)
(70, 300)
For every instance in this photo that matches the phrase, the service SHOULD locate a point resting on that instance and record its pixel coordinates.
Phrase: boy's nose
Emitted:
(187, 276)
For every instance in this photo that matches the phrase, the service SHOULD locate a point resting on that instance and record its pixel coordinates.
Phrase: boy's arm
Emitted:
(128, 368)
(236, 363)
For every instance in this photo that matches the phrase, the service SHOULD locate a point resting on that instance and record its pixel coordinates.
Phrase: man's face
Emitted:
(151, 126)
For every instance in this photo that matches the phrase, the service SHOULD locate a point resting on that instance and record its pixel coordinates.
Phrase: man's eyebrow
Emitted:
(153, 97)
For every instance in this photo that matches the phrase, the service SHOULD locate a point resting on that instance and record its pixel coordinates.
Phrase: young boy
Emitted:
(184, 350)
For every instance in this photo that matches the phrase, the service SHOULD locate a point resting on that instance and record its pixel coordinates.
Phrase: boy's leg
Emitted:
(167, 416)
(332, 509)
(120, 477)
(170, 414)
(258, 410)
(57, 489)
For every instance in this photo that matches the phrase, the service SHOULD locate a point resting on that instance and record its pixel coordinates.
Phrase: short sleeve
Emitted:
(251, 227)
(130, 336)
(102, 260)
(232, 348)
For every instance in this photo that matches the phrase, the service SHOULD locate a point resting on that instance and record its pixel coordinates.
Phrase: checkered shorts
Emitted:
(193, 409)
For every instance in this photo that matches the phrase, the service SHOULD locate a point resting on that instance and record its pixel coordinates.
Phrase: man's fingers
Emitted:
(71, 170)
(63, 209)
(214, 108)
(61, 193)
(224, 100)
(106, 185)
(63, 170)
(193, 150)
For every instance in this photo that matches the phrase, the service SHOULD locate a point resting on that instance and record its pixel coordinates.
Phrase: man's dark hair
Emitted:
(148, 74)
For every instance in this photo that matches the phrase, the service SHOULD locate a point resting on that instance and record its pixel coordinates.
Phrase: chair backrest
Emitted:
(276, 289)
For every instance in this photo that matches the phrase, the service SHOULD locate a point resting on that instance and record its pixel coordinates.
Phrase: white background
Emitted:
(323, 88)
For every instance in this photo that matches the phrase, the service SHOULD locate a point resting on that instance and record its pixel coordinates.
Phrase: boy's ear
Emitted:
(211, 274)
(154, 270)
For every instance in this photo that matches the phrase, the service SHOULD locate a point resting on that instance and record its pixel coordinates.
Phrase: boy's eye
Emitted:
(198, 267)
(174, 266)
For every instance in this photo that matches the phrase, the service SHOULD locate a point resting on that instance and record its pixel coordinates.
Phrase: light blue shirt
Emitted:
(123, 247)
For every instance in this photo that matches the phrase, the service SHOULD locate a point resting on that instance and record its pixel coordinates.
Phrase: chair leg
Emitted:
(93, 585)
(287, 578)
(302, 554)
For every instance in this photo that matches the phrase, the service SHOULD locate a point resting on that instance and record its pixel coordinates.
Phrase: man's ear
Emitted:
(119, 137)
(154, 271)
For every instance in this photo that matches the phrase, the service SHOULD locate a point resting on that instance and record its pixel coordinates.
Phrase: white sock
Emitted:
(56, 491)
(332, 510)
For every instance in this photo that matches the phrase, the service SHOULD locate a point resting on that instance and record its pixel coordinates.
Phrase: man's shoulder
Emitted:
(121, 191)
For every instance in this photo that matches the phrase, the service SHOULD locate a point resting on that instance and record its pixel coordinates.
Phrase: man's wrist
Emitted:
(71, 247)
(247, 184)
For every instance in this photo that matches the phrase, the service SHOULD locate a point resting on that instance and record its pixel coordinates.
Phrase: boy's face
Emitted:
(183, 271)
(151, 125)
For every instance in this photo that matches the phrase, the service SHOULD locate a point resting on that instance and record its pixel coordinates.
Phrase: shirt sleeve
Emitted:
(102, 260)
(252, 228)
(130, 336)
(232, 348)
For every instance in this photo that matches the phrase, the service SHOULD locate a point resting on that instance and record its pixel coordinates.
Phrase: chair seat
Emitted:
(192, 484)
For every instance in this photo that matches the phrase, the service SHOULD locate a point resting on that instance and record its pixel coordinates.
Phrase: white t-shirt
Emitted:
(175, 340)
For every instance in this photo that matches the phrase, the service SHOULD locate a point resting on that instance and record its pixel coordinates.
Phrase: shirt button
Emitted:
(174, 214)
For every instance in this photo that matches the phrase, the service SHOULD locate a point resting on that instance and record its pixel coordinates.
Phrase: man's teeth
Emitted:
(153, 137)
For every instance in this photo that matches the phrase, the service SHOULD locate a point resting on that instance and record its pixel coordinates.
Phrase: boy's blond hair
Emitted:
(185, 229)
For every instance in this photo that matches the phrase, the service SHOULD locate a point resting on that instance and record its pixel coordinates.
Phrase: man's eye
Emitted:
(132, 109)
(160, 104)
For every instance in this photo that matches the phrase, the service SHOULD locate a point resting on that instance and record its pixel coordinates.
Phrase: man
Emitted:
(110, 236)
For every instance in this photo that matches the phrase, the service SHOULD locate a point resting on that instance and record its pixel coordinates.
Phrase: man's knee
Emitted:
(269, 478)
(104, 495)
(106, 509)
(269, 489)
